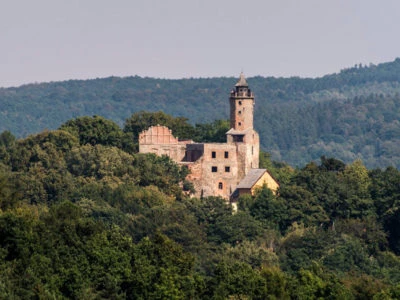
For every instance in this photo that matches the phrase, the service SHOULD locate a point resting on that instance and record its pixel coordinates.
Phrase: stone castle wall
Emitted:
(215, 168)
(159, 140)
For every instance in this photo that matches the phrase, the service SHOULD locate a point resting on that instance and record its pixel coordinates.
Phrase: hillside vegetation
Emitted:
(83, 216)
(349, 115)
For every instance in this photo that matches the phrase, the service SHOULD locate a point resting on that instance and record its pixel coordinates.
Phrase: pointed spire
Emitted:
(242, 80)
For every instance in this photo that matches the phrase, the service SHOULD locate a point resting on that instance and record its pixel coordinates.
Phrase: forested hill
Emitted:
(349, 115)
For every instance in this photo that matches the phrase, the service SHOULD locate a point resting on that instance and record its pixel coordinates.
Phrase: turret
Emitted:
(241, 105)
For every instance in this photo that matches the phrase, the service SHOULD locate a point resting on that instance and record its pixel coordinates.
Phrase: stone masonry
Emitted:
(215, 168)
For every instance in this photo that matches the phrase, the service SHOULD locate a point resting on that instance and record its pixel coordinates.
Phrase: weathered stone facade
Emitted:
(159, 140)
(216, 169)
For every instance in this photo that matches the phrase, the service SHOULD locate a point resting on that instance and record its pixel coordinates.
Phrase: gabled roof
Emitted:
(242, 80)
(251, 178)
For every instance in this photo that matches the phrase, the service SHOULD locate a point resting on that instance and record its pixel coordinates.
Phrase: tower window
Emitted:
(238, 138)
(214, 169)
(240, 112)
(240, 123)
(220, 185)
(227, 169)
(213, 154)
(226, 155)
(240, 102)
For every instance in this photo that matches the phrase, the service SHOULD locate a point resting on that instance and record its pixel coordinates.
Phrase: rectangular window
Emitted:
(227, 169)
(238, 138)
(226, 154)
(214, 169)
(213, 154)
(220, 185)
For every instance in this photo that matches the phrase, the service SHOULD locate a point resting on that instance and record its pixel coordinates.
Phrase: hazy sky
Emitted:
(52, 40)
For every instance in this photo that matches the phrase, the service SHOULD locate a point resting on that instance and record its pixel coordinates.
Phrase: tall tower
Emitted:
(242, 133)
(241, 105)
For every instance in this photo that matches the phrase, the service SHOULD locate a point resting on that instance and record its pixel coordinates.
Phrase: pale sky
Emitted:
(53, 40)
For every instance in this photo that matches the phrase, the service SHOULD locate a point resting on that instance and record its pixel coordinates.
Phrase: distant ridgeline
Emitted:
(349, 115)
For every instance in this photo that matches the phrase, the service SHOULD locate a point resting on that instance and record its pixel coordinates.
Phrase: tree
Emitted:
(214, 132)
(161, 270)
(7, 139)
(268, 209)
(302, 207)
(357, 202)
(94, 130)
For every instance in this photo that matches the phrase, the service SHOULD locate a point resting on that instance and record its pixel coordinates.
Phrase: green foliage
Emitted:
(85, 221)
(281, 171)
(7, 139)
(269, 209)
(235, 229)
(161, 172)
(94, 130)
(348, 115)
(214, 132)
(302, 207)
(238, 280)
(43, 149)
(8, 193)
(161, 270)
(143, 120)
(313, 284)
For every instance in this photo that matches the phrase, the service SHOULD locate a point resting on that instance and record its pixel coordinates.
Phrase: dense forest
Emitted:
(84, 216)
(352, 114)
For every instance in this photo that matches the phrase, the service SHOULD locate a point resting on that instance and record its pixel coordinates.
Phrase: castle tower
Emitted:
(242, 133)
(241, 105)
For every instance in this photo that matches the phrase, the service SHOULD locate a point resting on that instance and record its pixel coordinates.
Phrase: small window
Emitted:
(227, 169)
(214, 169)
(226, 155)
(240, 112)
(213, 154)
(220, 185)
(240, 102)
(240, 123)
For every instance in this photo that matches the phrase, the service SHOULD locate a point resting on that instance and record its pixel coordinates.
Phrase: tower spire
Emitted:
(242, 80)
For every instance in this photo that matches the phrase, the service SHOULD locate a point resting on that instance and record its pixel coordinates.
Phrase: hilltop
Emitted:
(349, 115)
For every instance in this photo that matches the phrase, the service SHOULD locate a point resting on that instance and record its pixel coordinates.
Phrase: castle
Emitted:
(218, 169)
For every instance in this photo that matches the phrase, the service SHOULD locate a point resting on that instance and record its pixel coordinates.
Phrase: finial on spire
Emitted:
(242, 80)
